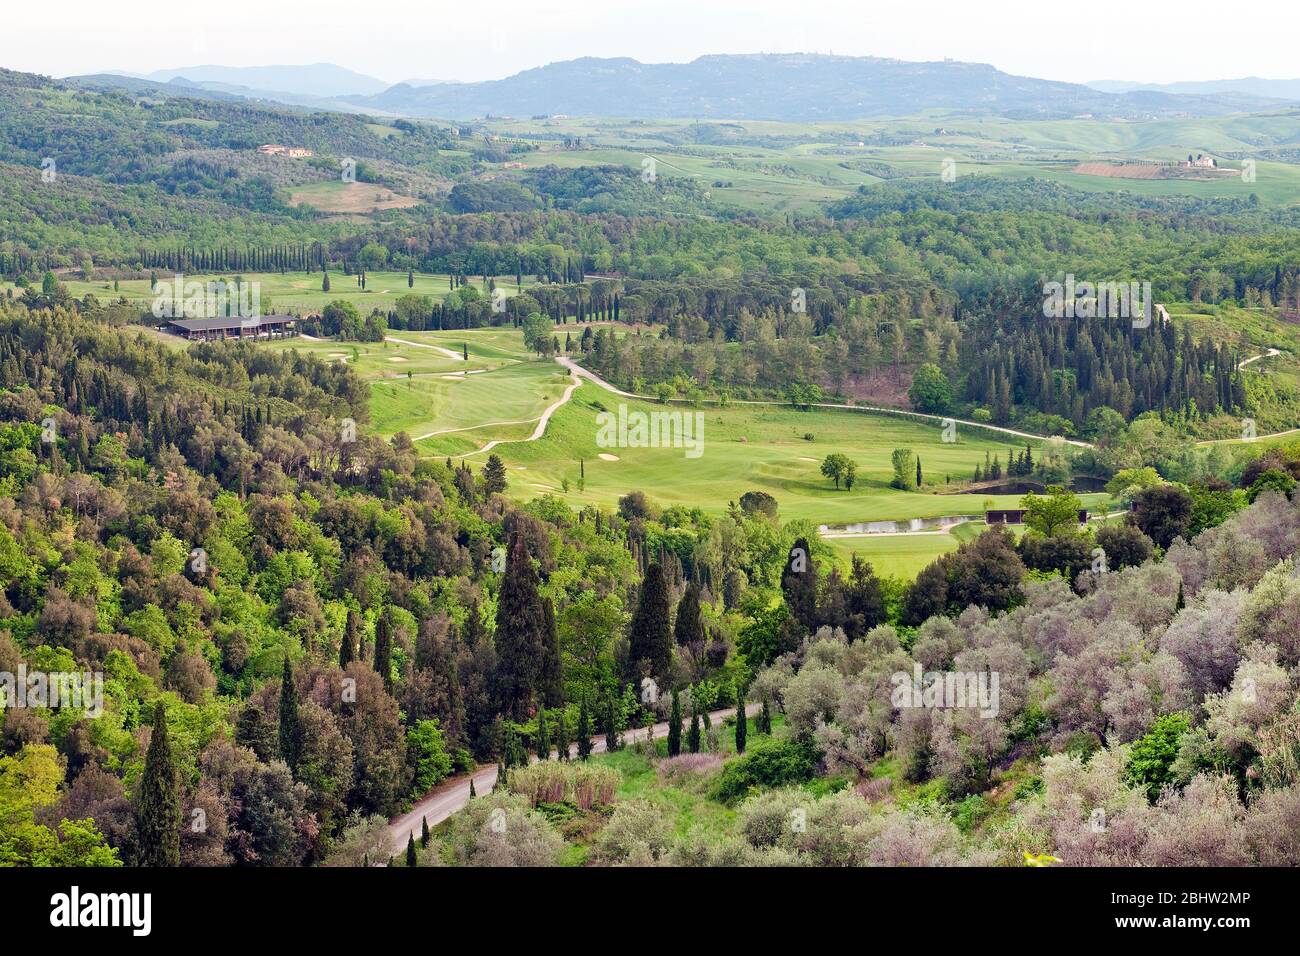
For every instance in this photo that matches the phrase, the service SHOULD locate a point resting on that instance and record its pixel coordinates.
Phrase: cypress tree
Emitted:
(765, 719)
(550, 680)
(584, 731)
(675, 727)
(688, 629)
(693, 738)
(410, 278)
(520, 635)
(649, 637)
(410, 850)
(384, 650)
(348, 647)
(742, 729)
(561, 735)
(918, 471)
(290, 726)
(543, 743)
(325, 282)
(515, 754)
(158, 810)
(472, 792)
(611, 726)
(799, 584)
(424, 824)
(1182, 601)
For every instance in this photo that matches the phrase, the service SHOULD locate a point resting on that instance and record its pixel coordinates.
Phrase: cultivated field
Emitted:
(786, 167)
(341, 197)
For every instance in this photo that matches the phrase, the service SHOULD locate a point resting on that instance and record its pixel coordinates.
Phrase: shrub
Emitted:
(1153, 755)
(638, 833)
(769, 763)
(501, 830)
(677, 770)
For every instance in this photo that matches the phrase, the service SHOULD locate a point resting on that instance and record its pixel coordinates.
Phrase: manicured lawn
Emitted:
(900, 556)
(758, 448)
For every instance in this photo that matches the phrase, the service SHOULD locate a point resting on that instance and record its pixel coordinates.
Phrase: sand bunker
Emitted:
(604, 456)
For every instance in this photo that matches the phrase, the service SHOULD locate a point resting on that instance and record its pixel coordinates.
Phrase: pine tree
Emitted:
(693, 738)
(649, 636)
(384, 650)
(410, 850)
(494, 476)
(158, 807)
(424, 824)
(290, 725)
(675, 727)
(584, 731)
(742, 728)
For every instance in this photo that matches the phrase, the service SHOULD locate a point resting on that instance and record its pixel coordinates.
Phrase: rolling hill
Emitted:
(787, 87)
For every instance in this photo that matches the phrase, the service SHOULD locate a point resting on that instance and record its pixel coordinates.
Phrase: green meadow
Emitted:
(296, 291)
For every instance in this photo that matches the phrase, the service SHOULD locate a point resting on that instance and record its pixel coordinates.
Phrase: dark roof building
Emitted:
(233, 327)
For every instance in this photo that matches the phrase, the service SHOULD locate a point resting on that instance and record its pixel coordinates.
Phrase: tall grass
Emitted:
(549, 781)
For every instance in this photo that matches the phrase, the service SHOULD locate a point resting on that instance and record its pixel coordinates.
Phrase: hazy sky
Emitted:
(1151, 41)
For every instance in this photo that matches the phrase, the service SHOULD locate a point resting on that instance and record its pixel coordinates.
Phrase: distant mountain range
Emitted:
(1250, 85)
(783, 87)
(788, 87)
(317, 86)
(315, 79)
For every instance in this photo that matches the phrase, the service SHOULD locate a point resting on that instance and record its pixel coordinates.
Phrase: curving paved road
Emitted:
(451, 795)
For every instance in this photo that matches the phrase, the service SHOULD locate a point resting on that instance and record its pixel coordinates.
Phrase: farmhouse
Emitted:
(293, 152)
(1017, 516)
(1200, 162)
(234, 327)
